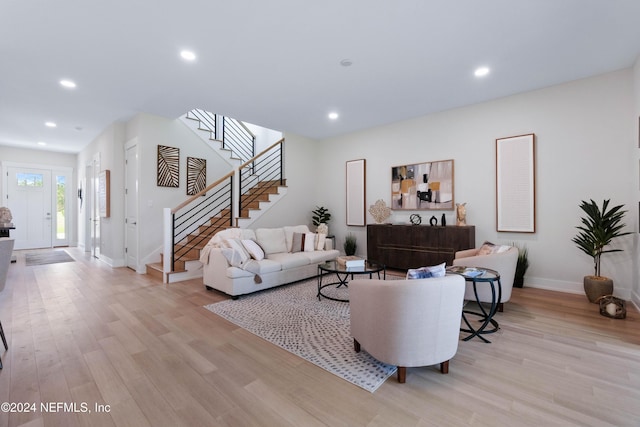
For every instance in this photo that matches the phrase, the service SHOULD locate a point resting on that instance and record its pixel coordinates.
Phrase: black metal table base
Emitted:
(342, 281)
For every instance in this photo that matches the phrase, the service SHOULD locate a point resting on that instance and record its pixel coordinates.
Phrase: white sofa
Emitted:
(282, 262)
(407, 323)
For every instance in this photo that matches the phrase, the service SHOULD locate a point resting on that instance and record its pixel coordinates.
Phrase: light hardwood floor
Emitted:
(83, 333)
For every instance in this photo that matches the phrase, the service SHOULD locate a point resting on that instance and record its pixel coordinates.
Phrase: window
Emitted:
(60, 223)
(29, 179)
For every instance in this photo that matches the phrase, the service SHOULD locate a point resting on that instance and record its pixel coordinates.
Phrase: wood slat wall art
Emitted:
(196, 175)
(168, 166)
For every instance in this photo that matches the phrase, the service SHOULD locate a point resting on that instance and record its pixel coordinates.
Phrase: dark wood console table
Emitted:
(413, 246)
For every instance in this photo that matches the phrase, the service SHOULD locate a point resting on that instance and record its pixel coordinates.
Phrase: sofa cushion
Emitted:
(320, 240)
(317, 257)
(271, 240)
(236, 272)
(289, 260)
(263, 266)
(288, 234)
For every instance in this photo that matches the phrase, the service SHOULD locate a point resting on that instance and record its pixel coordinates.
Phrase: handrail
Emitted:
(201, 193)
(280, 141)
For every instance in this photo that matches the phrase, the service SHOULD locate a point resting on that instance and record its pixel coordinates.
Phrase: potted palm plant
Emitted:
(599, 227)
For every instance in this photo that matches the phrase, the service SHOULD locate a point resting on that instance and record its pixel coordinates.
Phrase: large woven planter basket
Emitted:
(596, 287)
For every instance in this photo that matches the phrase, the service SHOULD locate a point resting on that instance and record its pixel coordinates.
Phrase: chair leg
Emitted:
(356, 346)
(402, 374)
(4, 340)
(444, 367)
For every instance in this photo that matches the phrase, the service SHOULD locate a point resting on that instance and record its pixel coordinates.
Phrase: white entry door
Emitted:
(29, 199)
(131, 206)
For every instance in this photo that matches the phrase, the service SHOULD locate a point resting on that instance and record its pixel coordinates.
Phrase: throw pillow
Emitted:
(487, 248)
(502, 248)
(427, 272)
(309, 242)
(254, 249)
(320, 239)
(297, 242)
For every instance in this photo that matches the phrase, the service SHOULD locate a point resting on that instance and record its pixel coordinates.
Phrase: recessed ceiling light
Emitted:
(333, 115)
(50, 124)
(346, 62)
(42, 143)
(68, 84)
(188, 55)
(481, 72)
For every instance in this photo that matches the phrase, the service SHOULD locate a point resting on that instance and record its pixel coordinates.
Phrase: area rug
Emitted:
(48, 257)
(291, 317)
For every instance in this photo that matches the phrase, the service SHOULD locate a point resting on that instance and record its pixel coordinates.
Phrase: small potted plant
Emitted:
(599, 227)
(350, 245)
(521, 266)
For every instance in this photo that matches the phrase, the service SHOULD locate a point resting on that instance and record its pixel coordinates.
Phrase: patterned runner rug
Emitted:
(291, 317)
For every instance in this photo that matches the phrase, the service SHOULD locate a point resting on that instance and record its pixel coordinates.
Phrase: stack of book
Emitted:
(350, 261)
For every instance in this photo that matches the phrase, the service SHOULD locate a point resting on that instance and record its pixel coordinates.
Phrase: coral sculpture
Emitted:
(380, 211)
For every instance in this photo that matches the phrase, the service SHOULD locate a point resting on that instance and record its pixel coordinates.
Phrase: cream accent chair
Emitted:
(504, 263)
(407, 323)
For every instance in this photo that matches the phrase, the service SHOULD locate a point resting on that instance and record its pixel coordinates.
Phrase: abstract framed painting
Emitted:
(423, 186)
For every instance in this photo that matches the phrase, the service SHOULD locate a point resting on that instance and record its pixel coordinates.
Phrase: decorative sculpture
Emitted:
(461, 214)
(5, 215)
(380, 211)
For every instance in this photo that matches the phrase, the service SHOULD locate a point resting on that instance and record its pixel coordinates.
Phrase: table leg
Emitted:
(487, 317)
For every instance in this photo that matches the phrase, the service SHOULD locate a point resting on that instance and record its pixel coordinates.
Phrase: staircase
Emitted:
(233, 140)
(259, 184)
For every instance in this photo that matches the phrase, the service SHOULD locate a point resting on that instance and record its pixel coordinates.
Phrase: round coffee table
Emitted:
(342, 272)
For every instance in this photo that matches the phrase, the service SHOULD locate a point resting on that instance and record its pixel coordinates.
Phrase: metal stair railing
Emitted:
(187, 219)
(208, 121)
(196, 212)
(265, 167)
(233, 133)
(238, 138)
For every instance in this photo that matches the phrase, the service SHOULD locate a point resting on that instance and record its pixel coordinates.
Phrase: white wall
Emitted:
(585, 135)
(264, 137)
(110, 145)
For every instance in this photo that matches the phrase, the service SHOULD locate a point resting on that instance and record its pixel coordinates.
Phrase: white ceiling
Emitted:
(277, 63)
